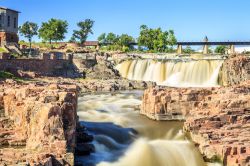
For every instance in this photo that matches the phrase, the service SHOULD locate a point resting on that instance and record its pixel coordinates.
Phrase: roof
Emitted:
(91, 43)
(9, 9)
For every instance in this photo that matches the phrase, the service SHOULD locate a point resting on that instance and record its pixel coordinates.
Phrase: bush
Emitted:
(4, 74)
(2, 50)
(69, 51)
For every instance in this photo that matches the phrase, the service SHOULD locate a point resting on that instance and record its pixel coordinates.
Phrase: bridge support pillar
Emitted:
(179, 49)
(205, 49)
(232, 49)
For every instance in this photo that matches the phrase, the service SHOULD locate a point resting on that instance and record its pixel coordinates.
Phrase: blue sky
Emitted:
(190, 19)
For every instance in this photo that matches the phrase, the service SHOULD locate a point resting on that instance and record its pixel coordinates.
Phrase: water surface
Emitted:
(123, 137)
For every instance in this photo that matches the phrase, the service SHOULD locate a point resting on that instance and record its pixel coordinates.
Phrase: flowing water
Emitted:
(123, 137)
(178, 72)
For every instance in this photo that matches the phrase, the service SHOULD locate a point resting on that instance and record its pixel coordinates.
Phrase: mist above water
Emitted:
(123, 137)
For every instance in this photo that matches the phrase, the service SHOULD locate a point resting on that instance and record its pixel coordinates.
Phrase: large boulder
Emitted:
(235, 70)
(41, 121)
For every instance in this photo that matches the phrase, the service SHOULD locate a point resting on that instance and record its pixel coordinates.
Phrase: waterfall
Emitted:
(176, 73)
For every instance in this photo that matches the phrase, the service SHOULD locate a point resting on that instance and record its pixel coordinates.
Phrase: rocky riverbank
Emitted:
(217, 118)
(38, 124)
(99, 85)
(235, 70)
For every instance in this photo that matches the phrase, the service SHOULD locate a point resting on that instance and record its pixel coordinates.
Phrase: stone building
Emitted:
(8, 26)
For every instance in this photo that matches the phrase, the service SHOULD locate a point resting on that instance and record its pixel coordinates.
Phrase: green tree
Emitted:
(125, 40)
(72, 40)
(171, 38)
(102, 38)
(28, 30)
(115, 42)
(85, 28)
(53, 30)
(220, 49)
(188, 50)
(156, 39)
(111, 38)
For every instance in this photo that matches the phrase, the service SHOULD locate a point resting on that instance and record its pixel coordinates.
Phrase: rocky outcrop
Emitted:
(171, 103)
(217, 118)
(96, 85)
(112, 85)
(102, 70)
(235, 70)
(38, 124)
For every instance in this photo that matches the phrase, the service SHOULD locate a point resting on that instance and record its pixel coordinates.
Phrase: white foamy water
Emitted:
(122, 137)
(177, 73)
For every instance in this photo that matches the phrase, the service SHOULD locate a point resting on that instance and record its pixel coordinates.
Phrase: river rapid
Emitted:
(123, 137)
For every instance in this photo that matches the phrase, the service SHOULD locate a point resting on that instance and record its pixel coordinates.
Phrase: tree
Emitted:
(85, 28)
(111, 38)
(125, 40)
(188, 50)
(53, 30)
(28, 30)
(102, 38)
(220, 49)
(156, 39)
(72, 40)
(116, 42)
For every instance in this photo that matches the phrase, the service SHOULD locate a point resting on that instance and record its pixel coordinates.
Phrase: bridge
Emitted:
(205, 43)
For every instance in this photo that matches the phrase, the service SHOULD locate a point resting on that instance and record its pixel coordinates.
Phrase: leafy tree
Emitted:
(102, 38)
(85, 28)
(220, 49)
(188, 50)
(125, 40)
(116, 42)
(171, 38)
(156, 39)
(111, 38)
(28, 30)
(53, 30)
(72, 40)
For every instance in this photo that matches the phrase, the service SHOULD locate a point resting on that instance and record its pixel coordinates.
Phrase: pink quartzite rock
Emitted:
(218, 119)
(41, 120)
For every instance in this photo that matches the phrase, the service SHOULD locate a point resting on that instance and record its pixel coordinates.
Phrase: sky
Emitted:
(220, 20)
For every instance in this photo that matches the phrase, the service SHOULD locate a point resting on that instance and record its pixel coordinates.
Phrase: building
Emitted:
(8, 26)
(91, 44)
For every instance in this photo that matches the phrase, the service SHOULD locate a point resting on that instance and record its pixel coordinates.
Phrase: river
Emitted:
(123, 137)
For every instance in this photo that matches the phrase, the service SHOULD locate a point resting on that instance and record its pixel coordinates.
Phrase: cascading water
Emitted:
(175, 72)
(123, 137)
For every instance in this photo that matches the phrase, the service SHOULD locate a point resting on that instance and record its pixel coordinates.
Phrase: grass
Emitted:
(8, 75)
(2, 50)
(41, 44)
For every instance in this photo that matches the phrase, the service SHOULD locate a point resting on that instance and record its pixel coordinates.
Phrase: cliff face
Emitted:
(38, 124)
(217, 118)
(171, 103)
(235, 70)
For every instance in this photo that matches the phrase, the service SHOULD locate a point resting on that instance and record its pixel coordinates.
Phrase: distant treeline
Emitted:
(150, 39)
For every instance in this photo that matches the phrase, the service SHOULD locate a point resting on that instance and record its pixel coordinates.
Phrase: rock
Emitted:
(218, 119)
(41, 121)
(103, 70)
(235, 70)
(84, 149)
(112, 85)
